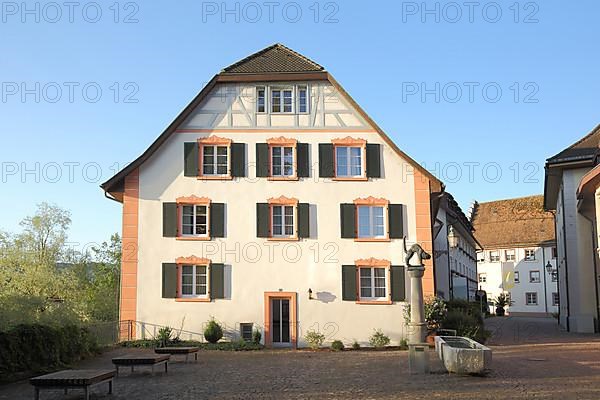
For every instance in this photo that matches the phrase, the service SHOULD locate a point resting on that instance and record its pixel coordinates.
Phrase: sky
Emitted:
(480, 93)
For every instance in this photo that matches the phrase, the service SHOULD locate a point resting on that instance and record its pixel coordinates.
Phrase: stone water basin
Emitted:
(462, 355)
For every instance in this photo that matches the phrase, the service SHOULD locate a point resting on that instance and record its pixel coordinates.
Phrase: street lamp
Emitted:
(549, 268)
(452, 238)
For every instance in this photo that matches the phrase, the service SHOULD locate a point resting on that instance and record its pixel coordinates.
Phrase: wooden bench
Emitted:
(73, 379)
(142, 360)
(178, 351)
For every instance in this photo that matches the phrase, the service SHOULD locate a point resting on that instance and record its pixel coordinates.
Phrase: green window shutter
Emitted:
(396, 220)
(348, 220)
(170, 222)
(303, 160)
(238, 160)
(263, 220)
(398, 286)
(217, 281)
(326, 160)
(190, 159)
(303, 220)
(349, 287)
(373, 161)
(217, 220)
(262, 160)
(169, 281)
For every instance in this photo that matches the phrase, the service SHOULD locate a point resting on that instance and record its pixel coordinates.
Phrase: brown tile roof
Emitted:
(516, 222)
(586, 147)
(273, 59)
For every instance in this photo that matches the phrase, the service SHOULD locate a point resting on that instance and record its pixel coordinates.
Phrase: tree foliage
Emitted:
(42, 280)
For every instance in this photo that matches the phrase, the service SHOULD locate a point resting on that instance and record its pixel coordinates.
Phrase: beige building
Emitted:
(273, 202)
(518, 254)
(571, 193)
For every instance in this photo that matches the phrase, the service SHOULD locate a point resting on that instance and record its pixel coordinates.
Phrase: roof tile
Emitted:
(273, 59)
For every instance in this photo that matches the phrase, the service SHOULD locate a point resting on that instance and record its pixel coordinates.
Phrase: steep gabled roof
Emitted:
(516, 222)
(585, 148)
(273, 59)
(114, 186)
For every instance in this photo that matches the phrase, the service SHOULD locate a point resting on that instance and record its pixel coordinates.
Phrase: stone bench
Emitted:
(73, 379)
(179, 351)
(142, 360)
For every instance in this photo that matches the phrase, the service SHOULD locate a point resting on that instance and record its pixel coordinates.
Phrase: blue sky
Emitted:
(544, 59)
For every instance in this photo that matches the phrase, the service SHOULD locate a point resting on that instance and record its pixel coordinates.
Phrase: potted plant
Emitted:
(502, 301)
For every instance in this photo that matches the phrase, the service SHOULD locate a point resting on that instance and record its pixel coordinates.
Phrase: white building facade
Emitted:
(273, 203)
(519, 255)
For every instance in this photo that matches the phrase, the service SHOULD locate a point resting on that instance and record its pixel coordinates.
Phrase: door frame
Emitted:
(292, 297)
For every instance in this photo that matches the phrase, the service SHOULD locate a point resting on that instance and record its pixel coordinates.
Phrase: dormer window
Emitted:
(282, 100)
(261, 99)
(302, 99)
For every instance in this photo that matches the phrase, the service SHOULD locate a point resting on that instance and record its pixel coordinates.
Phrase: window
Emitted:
(281, 100)
(517, 278)
(555, 299)
(529, 255)
(194, 220)
(215, 160)
(282, 161)
(510, 255)
(480, 256)
(373, 284)
(531, 298)
(246, 331)
(194, 282)
(261, 105)
(371, 222)
(283, 221)
(482, 278)
(534, 276)
(348, 161)
(554, 252)
(302, 99)
(494, 256)
(554, 275)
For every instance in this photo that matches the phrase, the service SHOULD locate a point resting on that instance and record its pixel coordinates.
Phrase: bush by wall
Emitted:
(27, 349)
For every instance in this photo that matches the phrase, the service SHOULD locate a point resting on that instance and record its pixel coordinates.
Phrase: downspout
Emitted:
(564, 229)
(597, 232)
(544, 272)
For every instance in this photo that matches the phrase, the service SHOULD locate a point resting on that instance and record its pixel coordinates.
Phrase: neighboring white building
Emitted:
(273, 202)
(571, 193)
(517, 237)
(455, 251)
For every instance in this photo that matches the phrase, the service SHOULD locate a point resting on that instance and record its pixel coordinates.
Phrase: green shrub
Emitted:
(466, 325)
(314, 339)
(213, 331)
(164, 336)
(378, 339)
(256, 336)
(40, 348)
(337, 345)
(403, 344)
(435, 311)
(355, 345)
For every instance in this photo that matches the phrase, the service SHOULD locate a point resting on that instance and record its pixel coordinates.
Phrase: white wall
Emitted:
(296, 266)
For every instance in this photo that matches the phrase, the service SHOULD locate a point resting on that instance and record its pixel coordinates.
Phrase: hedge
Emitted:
(28, 349)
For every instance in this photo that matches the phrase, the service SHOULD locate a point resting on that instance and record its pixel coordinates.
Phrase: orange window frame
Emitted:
(192, 201)
(283, 201)
(369, 264)
(350, 142)
(373, 202)
(283, 142)
(210, 142)
(195, 261)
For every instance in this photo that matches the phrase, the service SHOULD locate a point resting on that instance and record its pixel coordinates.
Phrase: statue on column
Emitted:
(417, 328)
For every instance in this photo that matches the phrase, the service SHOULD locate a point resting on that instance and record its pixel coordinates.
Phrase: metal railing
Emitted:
(110, 333)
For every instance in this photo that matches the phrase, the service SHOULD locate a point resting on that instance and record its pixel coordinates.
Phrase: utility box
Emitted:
(418, 358)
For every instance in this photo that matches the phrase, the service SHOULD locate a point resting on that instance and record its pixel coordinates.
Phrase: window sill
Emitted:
(282, 178)
(283, 239)
(215, 178)
(347, 179)
(192, 300)
(194, 239)
(384, 302)
(372, 240)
